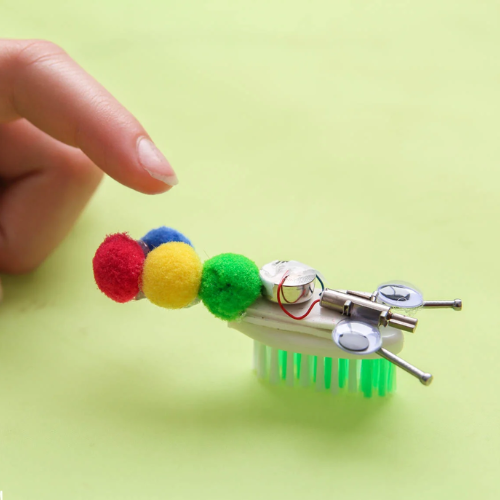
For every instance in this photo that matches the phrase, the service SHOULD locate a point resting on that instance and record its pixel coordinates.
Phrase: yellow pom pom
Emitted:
(172, 275)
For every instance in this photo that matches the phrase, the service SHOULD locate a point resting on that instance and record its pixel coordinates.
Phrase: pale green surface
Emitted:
(360, 137)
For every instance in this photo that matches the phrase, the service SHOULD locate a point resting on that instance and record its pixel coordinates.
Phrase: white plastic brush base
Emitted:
(265, 322)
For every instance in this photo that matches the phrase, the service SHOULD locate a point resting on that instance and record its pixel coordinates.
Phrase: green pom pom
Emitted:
(230, 283)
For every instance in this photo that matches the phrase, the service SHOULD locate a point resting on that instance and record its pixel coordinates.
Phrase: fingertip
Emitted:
(144, 183)
(154, 162)
(45, 86)
(155, 188)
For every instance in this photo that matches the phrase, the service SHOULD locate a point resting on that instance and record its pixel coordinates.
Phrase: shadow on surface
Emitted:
(244, 403)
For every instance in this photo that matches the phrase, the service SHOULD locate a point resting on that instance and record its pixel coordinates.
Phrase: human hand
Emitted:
(59, 131)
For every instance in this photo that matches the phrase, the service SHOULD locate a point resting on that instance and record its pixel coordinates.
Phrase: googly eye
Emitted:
(400, 294)
(357, 337)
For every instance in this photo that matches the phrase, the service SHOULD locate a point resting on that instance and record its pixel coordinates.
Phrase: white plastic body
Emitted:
(265, 322)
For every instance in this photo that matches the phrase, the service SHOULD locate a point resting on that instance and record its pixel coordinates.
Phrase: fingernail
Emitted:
(154, 163)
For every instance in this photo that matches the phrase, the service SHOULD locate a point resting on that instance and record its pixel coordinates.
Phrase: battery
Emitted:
(298, 286)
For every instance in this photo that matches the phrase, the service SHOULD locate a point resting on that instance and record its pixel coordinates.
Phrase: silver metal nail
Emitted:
(425, 378)
(440, 304)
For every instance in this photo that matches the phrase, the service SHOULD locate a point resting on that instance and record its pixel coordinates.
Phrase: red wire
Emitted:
(283, 308)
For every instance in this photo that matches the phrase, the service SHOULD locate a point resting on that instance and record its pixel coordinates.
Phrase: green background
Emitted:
(361, 137)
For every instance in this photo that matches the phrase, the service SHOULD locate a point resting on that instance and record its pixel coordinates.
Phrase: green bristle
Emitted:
(343, 370)
(282, 357)
(328, 372)
(382, 384)
(375, 372)
(374, 376)
(298, 362)
(366, 377)
(391, 378)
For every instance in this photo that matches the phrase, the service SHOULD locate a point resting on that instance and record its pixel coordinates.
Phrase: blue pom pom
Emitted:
(157, 237)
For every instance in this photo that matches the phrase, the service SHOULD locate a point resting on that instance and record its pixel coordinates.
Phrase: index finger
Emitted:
(40, 82)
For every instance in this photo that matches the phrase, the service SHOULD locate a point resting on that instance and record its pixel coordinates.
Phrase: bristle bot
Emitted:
(328, 339)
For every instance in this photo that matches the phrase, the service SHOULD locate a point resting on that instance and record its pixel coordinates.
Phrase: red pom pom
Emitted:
(118, 265)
